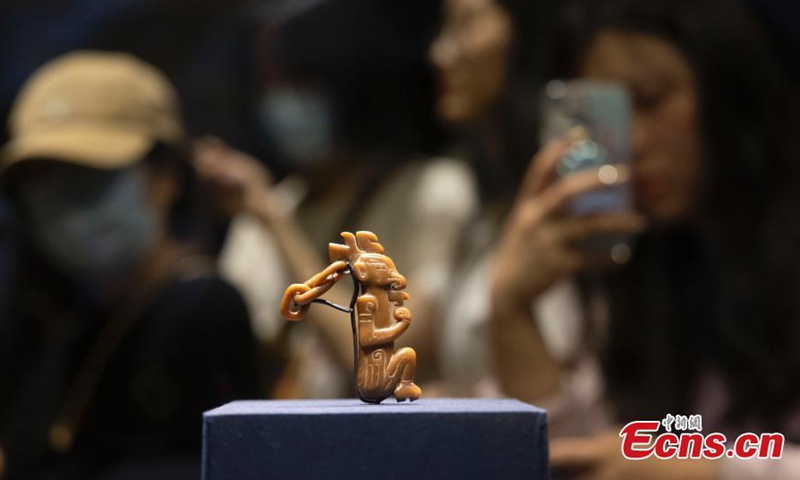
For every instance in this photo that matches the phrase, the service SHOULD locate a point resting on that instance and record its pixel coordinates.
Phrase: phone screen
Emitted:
(603, 110)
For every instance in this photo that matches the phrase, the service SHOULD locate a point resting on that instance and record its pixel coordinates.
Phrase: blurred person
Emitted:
(490, 58)
(703, 318)
(119, 334)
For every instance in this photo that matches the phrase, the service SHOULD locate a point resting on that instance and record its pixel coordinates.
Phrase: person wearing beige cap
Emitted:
(103, 112)
(120, 335)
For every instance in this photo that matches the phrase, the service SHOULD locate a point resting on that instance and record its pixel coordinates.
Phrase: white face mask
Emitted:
(300, 122)
(91, 223)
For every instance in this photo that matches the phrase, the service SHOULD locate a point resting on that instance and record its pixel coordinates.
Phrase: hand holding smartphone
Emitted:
(600, 114)
(574, 211)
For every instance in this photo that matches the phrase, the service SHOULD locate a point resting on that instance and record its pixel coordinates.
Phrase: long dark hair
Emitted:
(531, 50)
(727, 292)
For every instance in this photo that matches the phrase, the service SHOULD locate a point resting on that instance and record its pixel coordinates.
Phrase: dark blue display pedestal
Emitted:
(347, 439)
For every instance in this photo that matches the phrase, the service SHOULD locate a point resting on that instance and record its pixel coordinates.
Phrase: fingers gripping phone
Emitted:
(602, 111)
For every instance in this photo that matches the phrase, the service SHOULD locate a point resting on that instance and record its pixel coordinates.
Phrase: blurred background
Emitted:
(222, 55)
(143, 299)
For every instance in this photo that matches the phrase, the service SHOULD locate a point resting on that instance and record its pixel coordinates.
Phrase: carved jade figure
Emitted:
(378, 298)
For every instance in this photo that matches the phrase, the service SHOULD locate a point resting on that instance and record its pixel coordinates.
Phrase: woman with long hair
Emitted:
(704, 317)
(490, 57)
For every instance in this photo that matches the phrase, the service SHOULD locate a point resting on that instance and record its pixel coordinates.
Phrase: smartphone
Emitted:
(603, 110)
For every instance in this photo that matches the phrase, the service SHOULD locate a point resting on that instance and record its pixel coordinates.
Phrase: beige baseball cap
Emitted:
(96, 109)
